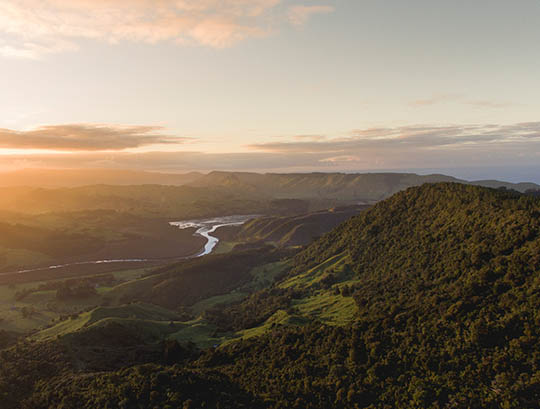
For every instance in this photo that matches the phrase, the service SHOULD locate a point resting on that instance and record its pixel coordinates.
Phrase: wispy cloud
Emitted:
(407, 147)
(437, 99)
(314, 137)
(32, 28)
(86, 137)
(300, 14)
(404, 146)
(458, 99)
(483, 103)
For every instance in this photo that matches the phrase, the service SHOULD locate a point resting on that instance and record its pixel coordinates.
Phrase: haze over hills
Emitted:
(149, 200)
(48, 226)
(217, 193)
(343, 186)
(288, 184)
(269, 204)
(55, 178)
(431, 298)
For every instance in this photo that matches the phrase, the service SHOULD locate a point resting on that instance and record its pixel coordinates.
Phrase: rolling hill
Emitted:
(429, 299)
(214, 194)
(55, 178)
(335, 187)
(159, 201)
(283, 231)
(188, 282)
(445, 285)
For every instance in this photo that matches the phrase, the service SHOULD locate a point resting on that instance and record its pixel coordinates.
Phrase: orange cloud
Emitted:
(85, 137)
(32, 28)
(406, 147)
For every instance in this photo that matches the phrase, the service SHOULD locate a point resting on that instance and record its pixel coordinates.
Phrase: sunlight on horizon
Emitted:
(270, 84)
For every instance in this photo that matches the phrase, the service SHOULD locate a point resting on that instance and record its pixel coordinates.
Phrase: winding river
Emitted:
(207, 226)
(204, 228)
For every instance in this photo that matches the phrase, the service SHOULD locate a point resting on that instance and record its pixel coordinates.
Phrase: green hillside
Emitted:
(149, 314)
(202, 282)
(289, 230)
(430, 299)
(446, 282)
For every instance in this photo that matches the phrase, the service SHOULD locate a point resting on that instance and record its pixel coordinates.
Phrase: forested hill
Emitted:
(437, 245)
(446, 281)
(432, 226)
(430, 299)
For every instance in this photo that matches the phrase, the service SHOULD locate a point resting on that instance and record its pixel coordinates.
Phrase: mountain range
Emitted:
(202, 195)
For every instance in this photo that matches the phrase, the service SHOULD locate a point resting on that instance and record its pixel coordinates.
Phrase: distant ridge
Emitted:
(54, 178)
(297, 230)
(520, 187)
(216, 193)
(345, 187)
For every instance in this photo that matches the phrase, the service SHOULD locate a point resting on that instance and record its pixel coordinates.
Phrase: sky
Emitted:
(272, 85)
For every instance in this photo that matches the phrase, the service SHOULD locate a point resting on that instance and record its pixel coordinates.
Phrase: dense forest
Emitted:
(444, 280)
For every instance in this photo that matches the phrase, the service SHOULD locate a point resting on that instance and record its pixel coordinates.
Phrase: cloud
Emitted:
(460, 99)
(341, 159)
(399, 148)
(409, 146)
(437, 99)
(299, 15)
(85, 137)
(33, 28)
(161, 161)
(314, 137)
(482, 103)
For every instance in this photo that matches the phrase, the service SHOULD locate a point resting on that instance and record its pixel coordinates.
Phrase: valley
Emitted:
(269, 204)
(367, 297)
(203, 228)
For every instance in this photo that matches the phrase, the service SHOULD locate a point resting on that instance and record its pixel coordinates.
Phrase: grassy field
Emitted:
(328, 308)
(11, 311)
(12, 259)
(336, 265)
(264, 275)
(224, 247)
(150, 316)
(151, 321)
(41, 308)
(43, 312)
(211, 302)
(199, 332)
(49, 317)
(280, 317)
